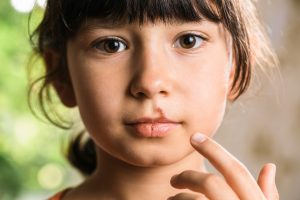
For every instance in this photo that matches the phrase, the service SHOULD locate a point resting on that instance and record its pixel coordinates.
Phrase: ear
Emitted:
(61, 78)
(231, 95)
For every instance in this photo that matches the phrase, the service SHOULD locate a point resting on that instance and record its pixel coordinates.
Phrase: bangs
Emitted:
(140, 11)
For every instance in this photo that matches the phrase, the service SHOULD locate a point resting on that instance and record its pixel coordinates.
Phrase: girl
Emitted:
(151, 80)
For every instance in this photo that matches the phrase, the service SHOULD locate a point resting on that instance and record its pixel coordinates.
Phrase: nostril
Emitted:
(141, 94)
(163, 93)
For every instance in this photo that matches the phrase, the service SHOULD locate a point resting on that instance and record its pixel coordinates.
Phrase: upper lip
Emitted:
(150, 120)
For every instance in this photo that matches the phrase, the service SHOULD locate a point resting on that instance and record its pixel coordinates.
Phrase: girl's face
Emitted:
(143, 90)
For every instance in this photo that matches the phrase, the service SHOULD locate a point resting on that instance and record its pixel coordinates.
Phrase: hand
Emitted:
(236, 184)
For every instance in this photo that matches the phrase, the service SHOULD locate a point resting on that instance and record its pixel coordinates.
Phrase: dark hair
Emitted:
(63, 18)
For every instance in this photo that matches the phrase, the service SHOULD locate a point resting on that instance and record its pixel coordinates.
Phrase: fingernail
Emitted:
(198, 138)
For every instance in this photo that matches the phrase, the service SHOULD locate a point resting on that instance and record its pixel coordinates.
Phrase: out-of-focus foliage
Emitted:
(27, 146)
(9, 179)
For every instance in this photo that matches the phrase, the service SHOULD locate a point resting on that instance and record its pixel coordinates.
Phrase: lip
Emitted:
(152, 127)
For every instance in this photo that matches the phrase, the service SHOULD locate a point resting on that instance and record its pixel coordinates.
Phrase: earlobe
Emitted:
(60, 78)
(66, 93)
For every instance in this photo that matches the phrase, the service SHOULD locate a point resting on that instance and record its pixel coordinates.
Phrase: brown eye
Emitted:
(189, 41)
(110, 45)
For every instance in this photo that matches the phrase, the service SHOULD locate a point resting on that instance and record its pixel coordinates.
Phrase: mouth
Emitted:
(152, 127)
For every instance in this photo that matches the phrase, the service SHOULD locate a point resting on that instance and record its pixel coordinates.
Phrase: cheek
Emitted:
(207, 107)
(207, 95)
(98, 96)
(99, 106)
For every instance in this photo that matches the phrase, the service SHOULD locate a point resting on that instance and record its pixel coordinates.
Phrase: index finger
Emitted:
(234, 172)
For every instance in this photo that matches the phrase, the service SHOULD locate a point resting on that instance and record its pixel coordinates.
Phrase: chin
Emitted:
(156, 157)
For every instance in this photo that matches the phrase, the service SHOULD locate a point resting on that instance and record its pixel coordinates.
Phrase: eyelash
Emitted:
(196, 45)
(103, 43)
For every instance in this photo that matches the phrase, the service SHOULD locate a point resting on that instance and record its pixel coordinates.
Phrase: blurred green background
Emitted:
(31, 165)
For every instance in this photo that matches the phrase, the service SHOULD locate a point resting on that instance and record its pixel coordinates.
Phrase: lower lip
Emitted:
(154, 130)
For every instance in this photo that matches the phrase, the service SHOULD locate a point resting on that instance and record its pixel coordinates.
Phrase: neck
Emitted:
(116, 179)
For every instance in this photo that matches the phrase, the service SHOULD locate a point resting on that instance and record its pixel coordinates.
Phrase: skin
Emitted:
(153, 75)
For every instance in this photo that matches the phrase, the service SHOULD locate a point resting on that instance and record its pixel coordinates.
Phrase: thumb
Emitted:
(266, 182)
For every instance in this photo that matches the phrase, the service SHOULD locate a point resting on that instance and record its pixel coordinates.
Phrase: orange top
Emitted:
(59, 195)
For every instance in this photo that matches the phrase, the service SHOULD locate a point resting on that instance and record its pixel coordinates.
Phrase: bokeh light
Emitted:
(50, 176)
(25, 131)
(42, 3)
(23, 6)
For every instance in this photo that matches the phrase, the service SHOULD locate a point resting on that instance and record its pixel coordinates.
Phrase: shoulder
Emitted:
(59, 195)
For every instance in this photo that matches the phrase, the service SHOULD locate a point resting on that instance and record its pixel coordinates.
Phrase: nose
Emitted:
(153, 75)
